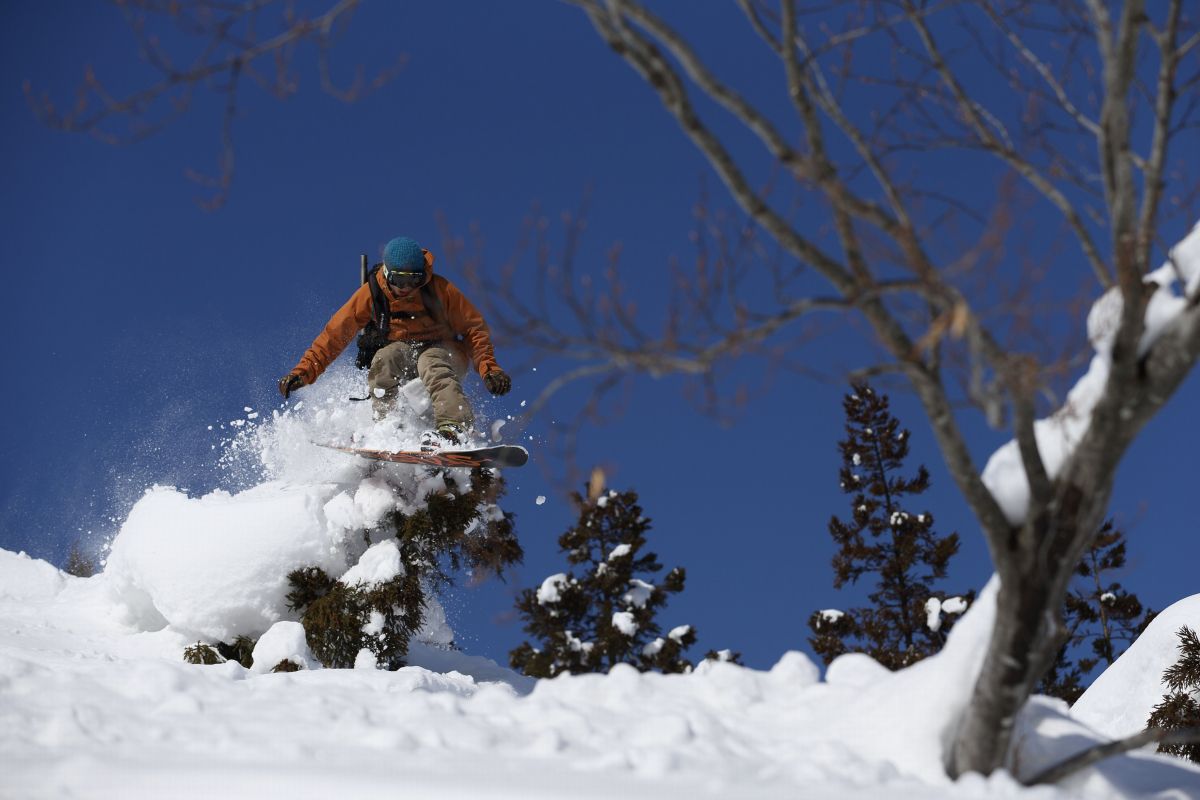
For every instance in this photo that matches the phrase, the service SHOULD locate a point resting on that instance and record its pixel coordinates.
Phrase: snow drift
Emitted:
(92, 707)
(1119, 702)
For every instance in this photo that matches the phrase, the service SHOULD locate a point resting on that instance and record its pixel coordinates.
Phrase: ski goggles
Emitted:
(404, 280)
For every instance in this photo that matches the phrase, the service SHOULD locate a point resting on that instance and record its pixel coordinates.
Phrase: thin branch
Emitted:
(1100, 752)
(979, 118)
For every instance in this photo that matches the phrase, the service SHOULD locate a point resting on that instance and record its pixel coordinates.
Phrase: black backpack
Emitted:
(375, 335)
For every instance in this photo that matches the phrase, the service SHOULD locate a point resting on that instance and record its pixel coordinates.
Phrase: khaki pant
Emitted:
(440, 366)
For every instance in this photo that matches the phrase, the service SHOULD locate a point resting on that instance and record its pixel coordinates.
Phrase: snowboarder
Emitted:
(427, 329)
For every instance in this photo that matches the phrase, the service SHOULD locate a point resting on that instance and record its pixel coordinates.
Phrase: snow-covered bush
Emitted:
(604, 612)
(910, 619)
(379, 604)
(201, 653)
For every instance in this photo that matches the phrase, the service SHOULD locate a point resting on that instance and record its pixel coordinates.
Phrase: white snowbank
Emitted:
(89, 709)
(1120, 700)
(27, 578)
(216, 567)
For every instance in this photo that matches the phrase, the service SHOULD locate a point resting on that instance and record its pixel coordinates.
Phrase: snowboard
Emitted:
(505, 455)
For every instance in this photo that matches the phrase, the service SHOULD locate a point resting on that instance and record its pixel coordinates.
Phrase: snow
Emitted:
(216, 567)
(540, 500)
(934, 608)
(551, 588)
(283, 641)
(1122, 697)
(624, 622)
(379, 564)
(831, 614)
(954, 605)
(97, 702)
(933, 613)
(91, 707)
(638, 594)
(620, 551)
(1058, 435)
(677, 633)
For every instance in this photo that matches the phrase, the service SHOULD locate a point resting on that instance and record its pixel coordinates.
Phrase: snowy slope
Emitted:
(91, 707)
(1121, 699)
(96, 701)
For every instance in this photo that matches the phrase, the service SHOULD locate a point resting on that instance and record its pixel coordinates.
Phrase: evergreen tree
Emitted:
(884, 538)
(603, 612)
(201, 653)
(79, 563)
(1099, 615)
(1181, 707)
(460, 528)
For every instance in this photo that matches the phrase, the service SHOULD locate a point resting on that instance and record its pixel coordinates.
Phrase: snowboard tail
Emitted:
(505, 455)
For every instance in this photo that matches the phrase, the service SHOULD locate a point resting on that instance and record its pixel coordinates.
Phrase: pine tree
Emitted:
(460, 528)
(603, 612)
(79, 563)
(201, 653)
(884, 538)
(1101, 616)
(1181, 707)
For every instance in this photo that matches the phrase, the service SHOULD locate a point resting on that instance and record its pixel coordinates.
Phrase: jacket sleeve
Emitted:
(341, 328)
(465, 319)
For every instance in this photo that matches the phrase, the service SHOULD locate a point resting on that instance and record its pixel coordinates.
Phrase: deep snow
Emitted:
(96, 701)
(91, 706)
(1119, 702)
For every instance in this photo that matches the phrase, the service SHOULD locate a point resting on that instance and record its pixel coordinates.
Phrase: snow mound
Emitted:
(1120, 700)
(25, 578)
(216, 567)
(283, 641)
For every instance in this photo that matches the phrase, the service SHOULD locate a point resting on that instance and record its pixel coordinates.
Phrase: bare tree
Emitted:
(910, 141)
(880, 91)
(1072, 106)
(215, 46)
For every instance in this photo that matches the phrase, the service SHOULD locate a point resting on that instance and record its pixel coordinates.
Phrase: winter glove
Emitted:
(289, 384)
(497, 382)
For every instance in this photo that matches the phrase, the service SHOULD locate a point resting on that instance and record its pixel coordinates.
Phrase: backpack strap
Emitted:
(381, 309)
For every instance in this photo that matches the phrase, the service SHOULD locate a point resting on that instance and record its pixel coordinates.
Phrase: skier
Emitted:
(429, 330)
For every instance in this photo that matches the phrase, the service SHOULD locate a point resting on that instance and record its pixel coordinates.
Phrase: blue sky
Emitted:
(136, 320)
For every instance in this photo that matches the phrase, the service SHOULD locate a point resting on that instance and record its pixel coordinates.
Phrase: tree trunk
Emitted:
(1023, 645)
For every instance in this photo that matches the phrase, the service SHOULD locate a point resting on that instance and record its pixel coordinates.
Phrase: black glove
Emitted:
(497, 382)
(289, 384)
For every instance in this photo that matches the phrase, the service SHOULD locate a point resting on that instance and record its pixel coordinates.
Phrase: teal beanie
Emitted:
(402, 253)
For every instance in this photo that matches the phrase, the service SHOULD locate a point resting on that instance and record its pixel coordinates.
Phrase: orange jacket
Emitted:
(409, 321)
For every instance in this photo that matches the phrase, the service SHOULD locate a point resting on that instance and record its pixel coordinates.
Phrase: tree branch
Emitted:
(1100, 752)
